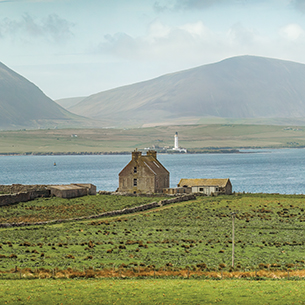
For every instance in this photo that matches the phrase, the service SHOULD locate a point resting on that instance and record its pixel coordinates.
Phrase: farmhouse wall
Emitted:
(177, 190)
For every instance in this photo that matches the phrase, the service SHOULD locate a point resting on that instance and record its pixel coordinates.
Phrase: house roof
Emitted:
(203, 182)
(153, 165)
(150, 162)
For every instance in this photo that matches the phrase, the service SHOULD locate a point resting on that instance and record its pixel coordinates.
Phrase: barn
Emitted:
(208, 186)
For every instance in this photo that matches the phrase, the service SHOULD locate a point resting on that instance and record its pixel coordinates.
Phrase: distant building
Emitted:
(208, 186)
(144, 174)
(176, 144)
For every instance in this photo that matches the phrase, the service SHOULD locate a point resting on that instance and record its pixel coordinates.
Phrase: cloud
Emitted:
(191, 44)
(292, 32)
(163, 43)
(299, 4)
(240, 35)
(53, 28)
(179, 5)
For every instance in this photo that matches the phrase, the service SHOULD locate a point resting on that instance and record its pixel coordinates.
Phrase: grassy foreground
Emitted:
(159, 291)
(160, 256)
(192, 137)
(194, 235)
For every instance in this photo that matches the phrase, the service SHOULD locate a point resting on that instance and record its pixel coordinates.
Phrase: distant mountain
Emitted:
(24, 105)
(243, 87)
(69, 102)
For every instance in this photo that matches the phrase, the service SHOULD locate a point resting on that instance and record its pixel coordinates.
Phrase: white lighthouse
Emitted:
(176, 145)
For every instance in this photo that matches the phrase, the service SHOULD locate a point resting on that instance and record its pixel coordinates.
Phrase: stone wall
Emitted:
(20, 188)
(140, 208)
(9, 199)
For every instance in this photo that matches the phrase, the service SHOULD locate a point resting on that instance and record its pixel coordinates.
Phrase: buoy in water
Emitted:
(54, 163)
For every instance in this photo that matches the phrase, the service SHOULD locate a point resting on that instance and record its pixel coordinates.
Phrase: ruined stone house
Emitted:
(144, 174)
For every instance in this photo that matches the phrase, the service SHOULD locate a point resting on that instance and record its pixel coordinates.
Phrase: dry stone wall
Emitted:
(9, 199)
(140, 208)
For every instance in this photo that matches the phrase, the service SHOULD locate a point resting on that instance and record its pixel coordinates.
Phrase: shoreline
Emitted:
(191, 152)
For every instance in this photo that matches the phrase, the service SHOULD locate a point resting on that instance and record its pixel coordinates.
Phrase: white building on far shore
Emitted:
(176, 144)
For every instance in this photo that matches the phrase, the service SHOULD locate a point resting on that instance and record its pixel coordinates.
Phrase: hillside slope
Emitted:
(24, 105)
(238, 87)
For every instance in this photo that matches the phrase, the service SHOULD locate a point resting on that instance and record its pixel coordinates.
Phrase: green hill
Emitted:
(244, 87)
(24, 105)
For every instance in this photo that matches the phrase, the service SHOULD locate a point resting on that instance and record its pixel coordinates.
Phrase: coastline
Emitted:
(221, 151)
(190, 152)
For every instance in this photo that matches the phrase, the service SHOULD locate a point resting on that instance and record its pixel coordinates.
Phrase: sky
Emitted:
(73, 48)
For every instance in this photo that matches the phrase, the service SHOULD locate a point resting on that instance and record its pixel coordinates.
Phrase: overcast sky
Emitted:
(71, 48)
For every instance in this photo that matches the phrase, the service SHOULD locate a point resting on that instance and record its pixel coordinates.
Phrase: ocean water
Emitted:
(256, 171)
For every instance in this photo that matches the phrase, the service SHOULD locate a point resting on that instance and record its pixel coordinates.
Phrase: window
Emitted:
(135, 182)
(201, 189)
(135, 170)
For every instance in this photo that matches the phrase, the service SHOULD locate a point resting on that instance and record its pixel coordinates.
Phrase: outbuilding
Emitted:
(208, 186)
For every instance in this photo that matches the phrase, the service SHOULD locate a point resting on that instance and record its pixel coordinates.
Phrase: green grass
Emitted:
(159, 291)
(45, 209)
(192, 137)
(269, 230)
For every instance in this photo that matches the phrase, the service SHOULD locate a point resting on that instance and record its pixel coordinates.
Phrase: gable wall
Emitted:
(149, 180)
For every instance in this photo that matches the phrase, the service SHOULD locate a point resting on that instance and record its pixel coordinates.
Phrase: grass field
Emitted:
(192, 137)
(160, 256)
(159, 291)
(45, 209)
(194, 234)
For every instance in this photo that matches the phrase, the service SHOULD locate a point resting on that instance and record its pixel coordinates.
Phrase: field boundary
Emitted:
(125, 211)
(148, 273)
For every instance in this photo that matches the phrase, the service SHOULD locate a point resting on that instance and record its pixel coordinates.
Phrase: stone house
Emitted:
(144, 174)
(208, 186)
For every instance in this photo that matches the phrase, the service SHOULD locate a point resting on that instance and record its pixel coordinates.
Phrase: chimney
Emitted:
(136, 154)
(152, 153)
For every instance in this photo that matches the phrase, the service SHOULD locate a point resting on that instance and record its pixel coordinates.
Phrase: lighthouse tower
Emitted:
(176, 146)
